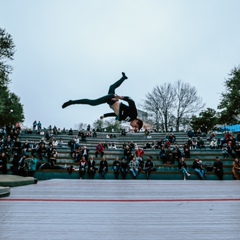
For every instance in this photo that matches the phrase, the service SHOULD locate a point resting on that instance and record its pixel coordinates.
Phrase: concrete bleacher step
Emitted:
(63, 174)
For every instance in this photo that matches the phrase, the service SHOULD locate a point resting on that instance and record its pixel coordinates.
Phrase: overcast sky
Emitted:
(72, 49)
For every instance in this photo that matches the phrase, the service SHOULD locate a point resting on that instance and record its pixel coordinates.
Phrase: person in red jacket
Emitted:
(121, 111)
(139, 156)
(99, 150)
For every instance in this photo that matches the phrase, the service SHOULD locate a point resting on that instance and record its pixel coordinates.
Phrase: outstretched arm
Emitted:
(112, 114)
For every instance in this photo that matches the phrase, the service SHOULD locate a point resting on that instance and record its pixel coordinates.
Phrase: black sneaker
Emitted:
(124, 76)
(68, 103)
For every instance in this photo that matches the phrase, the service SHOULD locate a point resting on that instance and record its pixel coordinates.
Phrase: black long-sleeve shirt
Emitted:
(126, 113)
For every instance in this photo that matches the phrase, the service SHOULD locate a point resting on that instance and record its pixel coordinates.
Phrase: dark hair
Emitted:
(140, 123)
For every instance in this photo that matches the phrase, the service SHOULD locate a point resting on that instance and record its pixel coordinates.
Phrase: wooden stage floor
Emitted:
(118, 209)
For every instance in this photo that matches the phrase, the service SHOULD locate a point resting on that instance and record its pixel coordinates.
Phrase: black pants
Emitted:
(105, 99)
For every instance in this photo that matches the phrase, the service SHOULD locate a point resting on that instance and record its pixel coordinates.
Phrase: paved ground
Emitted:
(98, 209)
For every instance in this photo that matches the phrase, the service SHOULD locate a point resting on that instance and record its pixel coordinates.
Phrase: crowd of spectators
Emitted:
(23, 162)
(26, 156)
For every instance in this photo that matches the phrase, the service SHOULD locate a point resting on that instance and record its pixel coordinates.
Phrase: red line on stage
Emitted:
(119, 200)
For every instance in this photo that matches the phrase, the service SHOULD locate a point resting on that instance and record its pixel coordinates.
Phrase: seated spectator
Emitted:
(154, 145)
(147, 133)
(17, 146)
(172, 138)
(160, 143)
(94, 133)
(124, 168)
(99, 150)
(194, 144)
(42, 151)
(49, 151)
(70, 132)
(147, 146)
(55, 130)
(71, 145)
(139, 156)
(77, 154)
(227, 136)
(163, 156)
(82, 167)
(186, 150)
(60, 143)
(236, 169)
(167, 144)
(149, 166)
(33, 165)
(218, 168)
(103, 168)
(26, 148)
(198, 168)
(131, 145)
(199, 132)
(237, 150)
(225, 151)
(190, 143)
(105, 145)
(59, 131)
(41, 132)
(176, 154)
(219, 143)
(91, 167)
(133, 167)
(124, 145)
(213, 144)
(23, 166)
(123, 132)
(200, 142)
(127, 153)
(85, 152)
(83, 136)
(190, 133)
(116, 168)
(55, 142)
(169, 154)
(231, 150)
(15, 162)
(212, 136)
(113, 146)
(182, 167)
(3, 163)
(53, 157)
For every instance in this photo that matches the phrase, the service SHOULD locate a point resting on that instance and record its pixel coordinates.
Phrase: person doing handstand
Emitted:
(122, 112)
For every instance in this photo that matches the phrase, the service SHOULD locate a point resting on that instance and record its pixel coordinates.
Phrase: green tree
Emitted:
(98, 124)
(208, 117)
(11, 110)
(230, 99)
(108, 125)
(7, 50)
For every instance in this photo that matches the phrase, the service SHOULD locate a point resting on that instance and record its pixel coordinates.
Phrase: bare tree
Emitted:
(160, 104)
(187, 101)
(80, 126)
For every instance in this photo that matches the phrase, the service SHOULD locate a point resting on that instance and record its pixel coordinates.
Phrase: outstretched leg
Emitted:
(92, 102)
(117, 84)
(104, 99)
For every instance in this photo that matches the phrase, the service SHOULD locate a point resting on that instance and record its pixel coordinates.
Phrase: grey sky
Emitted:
(71, 49)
